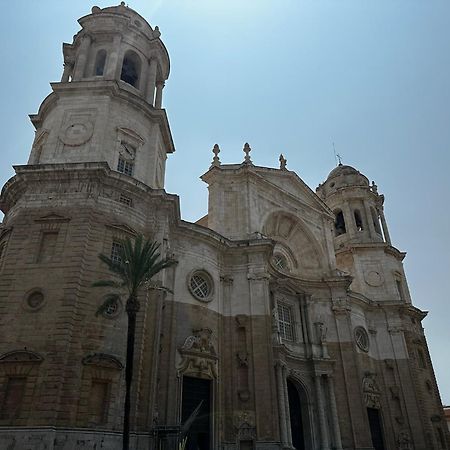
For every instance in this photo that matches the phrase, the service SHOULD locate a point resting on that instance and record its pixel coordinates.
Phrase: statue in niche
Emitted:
(321, 331)
(371, 390)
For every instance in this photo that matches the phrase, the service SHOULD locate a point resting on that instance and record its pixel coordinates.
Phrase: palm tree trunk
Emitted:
(132, 308)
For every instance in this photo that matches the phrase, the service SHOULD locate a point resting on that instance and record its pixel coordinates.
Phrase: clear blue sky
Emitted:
(287, 76)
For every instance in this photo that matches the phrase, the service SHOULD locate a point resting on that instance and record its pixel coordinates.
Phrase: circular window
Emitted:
(201, 286)
(112, 309)
(362, 339)
(35, 300)
(280, 262)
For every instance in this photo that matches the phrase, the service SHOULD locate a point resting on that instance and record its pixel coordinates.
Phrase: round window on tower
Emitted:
(112, 309)
(201, 285)
(361, 339)
(34, 299)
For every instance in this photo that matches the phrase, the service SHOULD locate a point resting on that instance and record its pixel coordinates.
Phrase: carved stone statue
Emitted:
(371, 390)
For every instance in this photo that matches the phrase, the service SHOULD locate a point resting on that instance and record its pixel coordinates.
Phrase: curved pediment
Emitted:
(103, 360)
(303, 252)
(21, 356)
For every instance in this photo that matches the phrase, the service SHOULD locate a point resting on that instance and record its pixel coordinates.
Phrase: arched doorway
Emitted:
(298, 412)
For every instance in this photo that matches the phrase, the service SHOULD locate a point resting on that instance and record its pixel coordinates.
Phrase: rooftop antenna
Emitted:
(337, 156)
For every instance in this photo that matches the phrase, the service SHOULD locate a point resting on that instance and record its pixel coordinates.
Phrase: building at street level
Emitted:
(288, 311)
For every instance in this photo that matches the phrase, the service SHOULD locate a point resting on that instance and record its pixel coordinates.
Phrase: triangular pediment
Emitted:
(130, 134)
(122, 228)
(52, 217)
(294, 186)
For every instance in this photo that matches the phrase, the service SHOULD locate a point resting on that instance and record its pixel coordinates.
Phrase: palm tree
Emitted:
(137, 263)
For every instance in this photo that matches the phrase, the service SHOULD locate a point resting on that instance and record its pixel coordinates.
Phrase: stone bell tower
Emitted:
(108, 105)
(95, 176)
(361, 237)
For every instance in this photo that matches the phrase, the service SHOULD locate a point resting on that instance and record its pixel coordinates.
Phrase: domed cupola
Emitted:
(357, 206)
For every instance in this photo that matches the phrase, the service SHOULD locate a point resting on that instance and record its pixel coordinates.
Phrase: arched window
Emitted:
(100, 61)
(339, 223)
(358, 220)
(131, 68)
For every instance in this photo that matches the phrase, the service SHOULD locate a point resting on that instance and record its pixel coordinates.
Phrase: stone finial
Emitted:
(216, 160)
(283, 162)
(247, 150)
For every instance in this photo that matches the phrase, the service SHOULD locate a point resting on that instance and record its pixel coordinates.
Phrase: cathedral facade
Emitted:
(287, 313)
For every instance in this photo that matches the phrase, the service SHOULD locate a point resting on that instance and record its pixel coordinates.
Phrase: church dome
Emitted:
(342, 170)
(343, 176)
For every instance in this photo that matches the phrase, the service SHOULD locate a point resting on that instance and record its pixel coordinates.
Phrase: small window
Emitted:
(285, 323)
(100, 61)
(99, 401)
(125, 167)
(116, 250)
(125, 200)
(48, 246)
(130, 69)
(201, 286)
(339, 223)
(358, 220)
(12, 402)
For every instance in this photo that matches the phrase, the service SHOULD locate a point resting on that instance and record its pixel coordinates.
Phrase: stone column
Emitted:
(334, 414)
(68, 68)
(372, 230)
(288, 411)
(158, 98)
(387, 238)
(281, 405)
(81, 59)
(113, 58)
(324, 442)
(151, 81)
(349, 220)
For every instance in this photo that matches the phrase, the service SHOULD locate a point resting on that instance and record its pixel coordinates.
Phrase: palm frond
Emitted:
(106, 283)
(139, 261)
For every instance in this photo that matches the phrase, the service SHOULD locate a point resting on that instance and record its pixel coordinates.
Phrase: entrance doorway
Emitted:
(296, 416)
(196, 390)
(376, 429)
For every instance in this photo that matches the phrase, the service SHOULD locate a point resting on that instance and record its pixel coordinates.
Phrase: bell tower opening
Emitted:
(131, 68)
